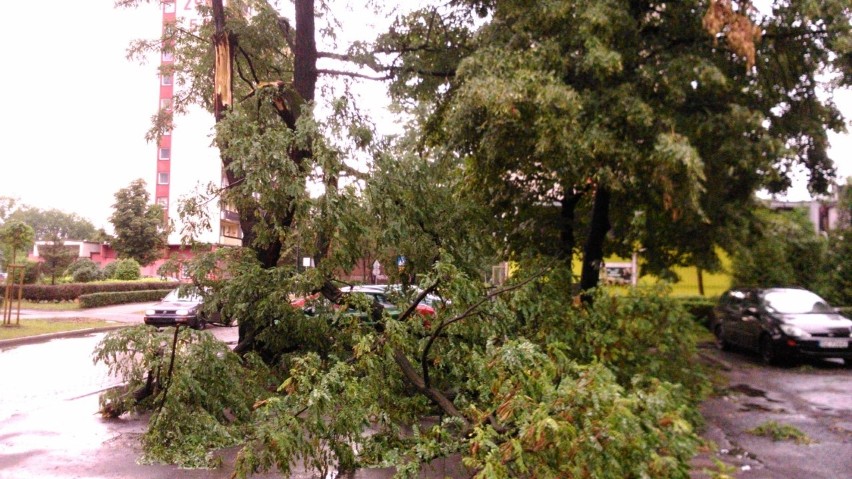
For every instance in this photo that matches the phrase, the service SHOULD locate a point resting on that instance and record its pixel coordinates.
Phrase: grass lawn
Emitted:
(35, 327)
(50, 306)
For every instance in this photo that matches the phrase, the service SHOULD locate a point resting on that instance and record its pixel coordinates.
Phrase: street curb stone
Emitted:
(4, 343)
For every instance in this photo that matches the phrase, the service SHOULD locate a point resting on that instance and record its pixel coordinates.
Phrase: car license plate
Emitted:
(834, 343)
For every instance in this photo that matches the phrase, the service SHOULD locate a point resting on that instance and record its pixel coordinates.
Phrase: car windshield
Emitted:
(792, 301)
(175, 296)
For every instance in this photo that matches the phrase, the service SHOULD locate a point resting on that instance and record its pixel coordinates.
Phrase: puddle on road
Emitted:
(747, 390)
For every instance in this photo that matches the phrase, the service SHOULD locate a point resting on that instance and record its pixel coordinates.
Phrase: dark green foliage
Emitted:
(32, 271)
(700, 307)
(108, 271)
(549, 102)
(836, 285)
(84, 270)
(836, 280)
(781, 249)
(56, 258)
(126, 270)
(50, 224)
(139, 226)
(96, 300)
(16, 239)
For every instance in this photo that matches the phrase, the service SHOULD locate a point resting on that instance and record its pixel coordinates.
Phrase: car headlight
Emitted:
(795, 332)
(150, 312)
(182, 312)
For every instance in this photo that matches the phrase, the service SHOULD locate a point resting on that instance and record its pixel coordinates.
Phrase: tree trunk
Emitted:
(305, 78)
(593, 251)
(700, 281)
(566, 233)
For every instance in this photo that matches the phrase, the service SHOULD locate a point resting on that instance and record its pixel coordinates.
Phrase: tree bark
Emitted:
(566, 233)
(593, 250)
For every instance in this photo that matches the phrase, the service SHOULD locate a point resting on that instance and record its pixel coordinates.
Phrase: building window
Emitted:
(168, 56)
(165, 80)
(166, 104)
(167, 132)
(162, 178)
(165, 153)
(169, 7)
(163, 202)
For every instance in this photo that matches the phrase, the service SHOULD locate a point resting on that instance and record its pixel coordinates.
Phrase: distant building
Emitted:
(824, 212)
(103, 254)
(184, 157)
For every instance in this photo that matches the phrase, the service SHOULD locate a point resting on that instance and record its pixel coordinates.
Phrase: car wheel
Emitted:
(198, 323)
(721, 344)
(767, 351)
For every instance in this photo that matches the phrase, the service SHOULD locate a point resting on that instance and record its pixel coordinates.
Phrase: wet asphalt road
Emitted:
(49, 426)
(813, 396)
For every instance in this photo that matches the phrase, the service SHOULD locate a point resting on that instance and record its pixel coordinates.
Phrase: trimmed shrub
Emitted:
(72, 291)
(109, 270)
(700, 307)
(32, 272)
(127, 270)
(83, 270)
(95, 300)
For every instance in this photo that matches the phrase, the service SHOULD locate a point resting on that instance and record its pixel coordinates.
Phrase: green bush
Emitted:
(84, 270)
(95, 300)
(127, 270)
(32, 272)
(700, 307)
(108, 272)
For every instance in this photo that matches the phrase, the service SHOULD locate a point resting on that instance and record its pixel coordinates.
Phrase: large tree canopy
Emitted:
(139, 226)
(53, 223)
(659, 119)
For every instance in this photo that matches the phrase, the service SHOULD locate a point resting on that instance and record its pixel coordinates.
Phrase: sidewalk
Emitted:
(119, 316)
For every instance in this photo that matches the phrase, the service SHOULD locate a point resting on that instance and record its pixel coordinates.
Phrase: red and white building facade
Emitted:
(184, 157)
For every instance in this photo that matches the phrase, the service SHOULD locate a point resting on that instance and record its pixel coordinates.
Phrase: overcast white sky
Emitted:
(75, 111)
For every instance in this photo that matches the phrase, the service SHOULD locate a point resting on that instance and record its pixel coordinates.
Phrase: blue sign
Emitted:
(400, 260)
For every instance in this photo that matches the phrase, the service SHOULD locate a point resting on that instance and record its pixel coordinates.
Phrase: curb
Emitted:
(40, 338)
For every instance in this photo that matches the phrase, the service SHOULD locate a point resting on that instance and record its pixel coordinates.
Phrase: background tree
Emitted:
(781, 249)
(139, 226)
(836, 284)
(583, 118)
(7, 205)
(17, 238)
(55, 258)
(53, 223)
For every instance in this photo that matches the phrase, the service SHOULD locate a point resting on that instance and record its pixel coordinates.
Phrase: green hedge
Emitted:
(96, 300)
(73, 291)
(700, 307)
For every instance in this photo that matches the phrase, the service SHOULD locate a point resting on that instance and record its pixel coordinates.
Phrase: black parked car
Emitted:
(180, 308)
(781, 324)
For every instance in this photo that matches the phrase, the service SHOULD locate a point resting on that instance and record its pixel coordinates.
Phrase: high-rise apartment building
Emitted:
(185, 160)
